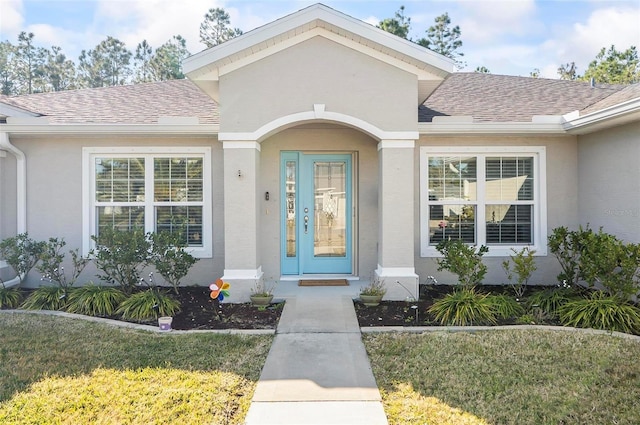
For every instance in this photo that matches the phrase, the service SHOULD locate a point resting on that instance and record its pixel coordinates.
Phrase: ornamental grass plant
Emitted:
(601, 311)
(95, 300)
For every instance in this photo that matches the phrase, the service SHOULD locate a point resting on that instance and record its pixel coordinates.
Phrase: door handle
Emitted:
(306, 224)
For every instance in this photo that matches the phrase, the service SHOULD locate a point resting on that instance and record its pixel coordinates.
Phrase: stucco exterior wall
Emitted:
(609, 181)
(54, 193)
(318, 71)
(561, 203)
(8, 211)
(320, 139)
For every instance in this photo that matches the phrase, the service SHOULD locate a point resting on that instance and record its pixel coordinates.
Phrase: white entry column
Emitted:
(396, 219)
(242, 263)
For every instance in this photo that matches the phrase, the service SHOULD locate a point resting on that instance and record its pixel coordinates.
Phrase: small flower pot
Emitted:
(370, 300)
(261, 300)
(165, 323)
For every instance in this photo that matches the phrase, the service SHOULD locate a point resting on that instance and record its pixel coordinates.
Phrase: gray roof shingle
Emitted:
(485, 97)
(133, 104)
(626, 94)
(501, 98)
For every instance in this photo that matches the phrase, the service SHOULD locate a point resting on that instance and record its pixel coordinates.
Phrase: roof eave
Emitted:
(615, 115)
(112, 129)
(465, 125)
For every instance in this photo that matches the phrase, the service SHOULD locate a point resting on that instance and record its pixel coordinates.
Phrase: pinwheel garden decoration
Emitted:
(219, 290)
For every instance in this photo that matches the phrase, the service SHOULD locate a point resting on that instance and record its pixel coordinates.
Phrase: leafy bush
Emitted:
(51, 259)
(95, 300)
(463, 260)
(148, 305)
(464, 306)
(46, 298)
(550, 300)
(524, 264)
(9, 297)
(169, 257)
(610, 262)
(505, 307)
(21, 253)
(601, 311)
(566, 246)
(120, 256)
(597, 258)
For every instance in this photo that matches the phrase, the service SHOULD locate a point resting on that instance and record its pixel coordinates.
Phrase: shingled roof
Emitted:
(133, 104)
(501, 98)
(485, 97)
(626, 94)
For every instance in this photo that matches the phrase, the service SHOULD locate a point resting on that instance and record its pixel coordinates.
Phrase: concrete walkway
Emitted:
(317, 371)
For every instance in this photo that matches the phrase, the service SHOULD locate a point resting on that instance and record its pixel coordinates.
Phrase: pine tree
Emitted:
(216, 28)
(444, 39)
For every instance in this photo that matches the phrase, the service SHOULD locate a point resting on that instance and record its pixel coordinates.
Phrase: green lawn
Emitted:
(57, 370)
(507, 377)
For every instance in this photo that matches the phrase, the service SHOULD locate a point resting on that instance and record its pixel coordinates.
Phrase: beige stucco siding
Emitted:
(55, 199)
(320, 139)
(561, 203)
(609, 181)
(7, 196)
(318, 71)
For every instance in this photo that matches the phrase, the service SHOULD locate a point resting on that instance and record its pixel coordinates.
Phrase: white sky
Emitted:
(507, 36)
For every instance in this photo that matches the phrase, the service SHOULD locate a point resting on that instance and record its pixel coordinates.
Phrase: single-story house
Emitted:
(321, 146)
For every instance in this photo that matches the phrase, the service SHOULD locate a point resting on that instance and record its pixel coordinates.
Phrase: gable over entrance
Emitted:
(317, 56)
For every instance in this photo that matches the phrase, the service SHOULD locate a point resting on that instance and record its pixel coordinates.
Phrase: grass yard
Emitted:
(507, 377)
(65, 371)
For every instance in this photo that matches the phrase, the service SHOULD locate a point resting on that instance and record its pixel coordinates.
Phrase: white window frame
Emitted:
(539, 191)
(89, 186)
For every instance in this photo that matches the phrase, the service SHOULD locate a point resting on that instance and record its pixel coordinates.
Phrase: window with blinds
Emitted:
(487, 196)
(152, 191)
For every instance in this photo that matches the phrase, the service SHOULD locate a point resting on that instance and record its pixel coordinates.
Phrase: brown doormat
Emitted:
(323, 282)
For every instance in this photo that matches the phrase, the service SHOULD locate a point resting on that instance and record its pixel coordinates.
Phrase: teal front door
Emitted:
(317, 213)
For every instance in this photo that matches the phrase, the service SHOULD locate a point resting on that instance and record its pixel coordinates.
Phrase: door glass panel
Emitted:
(329, 185)
(290, 188)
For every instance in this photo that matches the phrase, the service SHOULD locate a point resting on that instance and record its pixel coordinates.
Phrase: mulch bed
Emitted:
(199, 311)
(414, 313)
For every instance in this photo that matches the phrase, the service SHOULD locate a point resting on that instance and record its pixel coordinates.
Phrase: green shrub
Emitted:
(550, 300)
(524, 264)
(566, 246)
(464, 306)
(51, 263)
(95, 300)
(9, 297)
(21, 253)
(610, 262)
(463, 260)
(47, 298)
(597, 258)
(505, 307)
(601, 311)
(169, 257)
(120, 256)
(148, 305)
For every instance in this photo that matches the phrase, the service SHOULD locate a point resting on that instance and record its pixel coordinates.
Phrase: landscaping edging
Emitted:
(471, 329)
(140, 327)
(363, 330)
